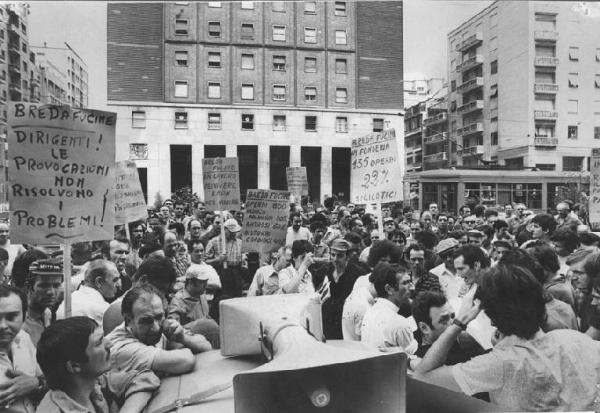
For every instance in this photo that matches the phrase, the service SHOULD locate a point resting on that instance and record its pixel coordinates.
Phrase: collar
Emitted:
(386, 304)
(514, 340)
(65, 404)
(185, 294)
(91, 291)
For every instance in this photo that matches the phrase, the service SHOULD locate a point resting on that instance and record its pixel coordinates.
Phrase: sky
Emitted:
(82, 24)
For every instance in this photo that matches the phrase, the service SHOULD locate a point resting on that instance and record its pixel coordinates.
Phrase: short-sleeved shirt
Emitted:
(555, 371)
(288, 273)
(128, 353)
(23, 360)
(303, 233)
(187, 307)
(451, 283)
(265, 282)
(355, 307)
(36, 326)
(559, 315)
(383, 327)
(86, 302)
(57, 401)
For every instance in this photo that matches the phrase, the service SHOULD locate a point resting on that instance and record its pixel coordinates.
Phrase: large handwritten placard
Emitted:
(130, 204)
(221, 179)
(61, 173)
(297, 181)
(594, 202)
(265, 220)
(375, 169)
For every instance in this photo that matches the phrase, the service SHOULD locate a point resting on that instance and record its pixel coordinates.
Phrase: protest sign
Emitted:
(297, 182)
(130, 204)
(375, 169)
(221, 183)
(61, 173)
(265, 220)
(594, 201)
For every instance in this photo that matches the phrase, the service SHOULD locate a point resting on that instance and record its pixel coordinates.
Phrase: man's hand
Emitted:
(173, 330)
(18, 386)
(470, 307)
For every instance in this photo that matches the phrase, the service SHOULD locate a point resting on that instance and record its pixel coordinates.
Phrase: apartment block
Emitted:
(276, 84)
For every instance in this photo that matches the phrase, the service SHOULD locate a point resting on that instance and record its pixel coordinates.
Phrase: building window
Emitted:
(214, 29)
(494, 138)
(340, 37)
(181, 120)
(138, 119)
(573, 81)
(493, 91)
(214, 59)
(310, 35)
(310, 123)
(310, 7)
(279, 63)
(247, 31)
(341, 95)
(572, 163)
(181, 89)
(596, 107)
(278, 6)
(247, 122)
(573, 106)
(310, 64)
(494, 67)
(181, 27)
(216, 4)
(340, 8)
(248, 61)
(341, 66)
(247, 5)
(377, 125)
(278, 92)
(493, 20)
(181, 58)
(279, 33)
(138, 151)
(279, 122)
(596, 132)
(597, 82)
(341, 124)
(574, 54)
(310, 94)
(247, 91)
(572, 132)
(493, 44)
(214, 90)
(214, 121)
(545, 166)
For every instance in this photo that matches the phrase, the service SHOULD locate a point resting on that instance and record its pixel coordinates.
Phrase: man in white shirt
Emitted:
(14, 250)
(100, 284)
(296, 231)
(451, 283)
(382, 326)
(266, 279)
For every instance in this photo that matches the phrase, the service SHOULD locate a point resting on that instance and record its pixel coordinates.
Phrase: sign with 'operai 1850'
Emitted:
(61, 173)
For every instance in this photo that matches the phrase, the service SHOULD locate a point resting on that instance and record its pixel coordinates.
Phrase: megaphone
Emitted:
(306, 375)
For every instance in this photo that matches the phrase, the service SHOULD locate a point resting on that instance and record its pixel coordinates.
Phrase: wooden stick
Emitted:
(223, 240)
(67, 270)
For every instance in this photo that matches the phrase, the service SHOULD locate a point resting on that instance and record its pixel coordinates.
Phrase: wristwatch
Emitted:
(459, 323)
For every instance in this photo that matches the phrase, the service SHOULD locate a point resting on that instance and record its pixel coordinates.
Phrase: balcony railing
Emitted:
(470, 129)
(436, 157)
(14, 68)
(545, 141)
(440, 117)
(413, 131)
(2, 58)
(546, 35)
(469, 85)
(438, 137)
(546, 61)
(3, 79)
(471, 41)
(13, 28)
(14, 47)
(469, 107)
(472, 151)
(545, 114)
(470, 63)
(545, 88)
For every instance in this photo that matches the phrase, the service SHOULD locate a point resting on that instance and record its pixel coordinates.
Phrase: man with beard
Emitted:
(296, 231)
(147, 340)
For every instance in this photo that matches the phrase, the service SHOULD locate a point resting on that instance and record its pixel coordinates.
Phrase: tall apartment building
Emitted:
(524, 93)
(276, 84)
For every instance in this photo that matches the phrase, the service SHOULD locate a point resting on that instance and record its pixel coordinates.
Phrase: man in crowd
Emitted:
(178, 211)
(266, 278)
(138, 231)
(147, 340)
(117, 251)
(542, 227)
(100, 285)
(389, 225)
(451, 282)
(581, 283)
(196, 250)
(14, 250)
(565, 218)
(296, 231)
(469, 262)
(170, 248)
(228, 262)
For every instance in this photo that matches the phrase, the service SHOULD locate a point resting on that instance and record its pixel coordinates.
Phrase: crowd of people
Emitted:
(499, 303)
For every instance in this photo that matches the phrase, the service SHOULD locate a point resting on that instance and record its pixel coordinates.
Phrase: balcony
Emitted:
(413, 131)
(14, 87)
(545, 141)
(3, 58)
(14, 47)
(472, 151)
(13, 28)
(472, 84)
(34, 81)
(471, 41)
(2, 99)
(470, 129)
(546, 61)
(14, 68)
(547, 88)
(545, 115)
(545, 35)
(3, 79)
(470, 63)
(470, 107)
(439, 118)
(438, 137)
(436, 157)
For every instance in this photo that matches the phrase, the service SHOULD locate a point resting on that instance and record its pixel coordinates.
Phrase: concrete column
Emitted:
(460, 195)
(264, 178)
(153, 181)
(420, 196)
(231, 151)
(326, 173)
(164, 168)
(295, 155)
(197, 178)
(544, 196)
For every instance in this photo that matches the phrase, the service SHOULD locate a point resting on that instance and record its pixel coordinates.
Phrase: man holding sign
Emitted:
(231, 256)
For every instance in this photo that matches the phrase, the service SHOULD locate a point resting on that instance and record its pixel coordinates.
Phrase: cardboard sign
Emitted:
(297, 182)
(375, 169)
(221, 183)
(61, 173)
(265, 220)
(594, 201)
(130, 204)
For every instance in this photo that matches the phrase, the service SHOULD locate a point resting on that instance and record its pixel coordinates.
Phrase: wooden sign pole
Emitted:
(67, 272)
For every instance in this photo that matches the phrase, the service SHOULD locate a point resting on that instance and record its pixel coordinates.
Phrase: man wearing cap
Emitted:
(477, 238)
(337, 286)
(389, 225)
(44, 288)
(446, 273)
(228, 262)
(190, 305)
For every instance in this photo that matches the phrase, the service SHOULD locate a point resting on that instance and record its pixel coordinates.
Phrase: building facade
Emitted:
(276, 84)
